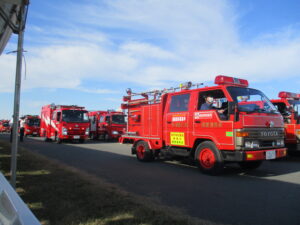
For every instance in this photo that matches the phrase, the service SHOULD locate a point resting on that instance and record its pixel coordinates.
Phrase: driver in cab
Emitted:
(208, 105)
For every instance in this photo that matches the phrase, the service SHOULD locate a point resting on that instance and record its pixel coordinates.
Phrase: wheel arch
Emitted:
(197, 142)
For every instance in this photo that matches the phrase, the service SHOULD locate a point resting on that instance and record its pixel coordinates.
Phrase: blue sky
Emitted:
(88, 52)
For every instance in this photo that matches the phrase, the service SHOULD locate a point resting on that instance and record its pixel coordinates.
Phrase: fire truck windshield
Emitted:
(296, 105)
(118, 119)
(251, 100)
(33, 122)
(6, 124)
(75, 116)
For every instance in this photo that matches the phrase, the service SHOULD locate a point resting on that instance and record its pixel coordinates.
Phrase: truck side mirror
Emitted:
(231, 107)
(233, 110)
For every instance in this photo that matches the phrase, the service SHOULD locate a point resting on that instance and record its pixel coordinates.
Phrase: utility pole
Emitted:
(14, 149)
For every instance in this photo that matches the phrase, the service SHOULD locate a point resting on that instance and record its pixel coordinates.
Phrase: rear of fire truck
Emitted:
(239, 125)
(288, 105)
(64, 122)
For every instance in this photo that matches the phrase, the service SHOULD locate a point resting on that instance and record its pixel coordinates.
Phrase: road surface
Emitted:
(268, 195)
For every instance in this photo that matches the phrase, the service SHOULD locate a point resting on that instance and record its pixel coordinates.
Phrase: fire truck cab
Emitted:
(213, 125)
(106, 125)
(4, 126)
(64, 122)
(32, 125)
(288, 105)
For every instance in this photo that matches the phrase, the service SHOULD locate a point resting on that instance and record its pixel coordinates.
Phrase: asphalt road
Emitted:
(268, 195)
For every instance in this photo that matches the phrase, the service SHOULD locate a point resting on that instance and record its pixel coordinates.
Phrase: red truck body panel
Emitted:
(64, 122)
(288, 104)
(106, 124)
(157, 123)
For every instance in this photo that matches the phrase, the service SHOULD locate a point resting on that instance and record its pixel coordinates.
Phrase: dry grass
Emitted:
(61, 195)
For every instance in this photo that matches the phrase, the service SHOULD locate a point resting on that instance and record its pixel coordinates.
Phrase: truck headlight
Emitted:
(252, 144)
(64, 131)
(115, 132)
(87, 131)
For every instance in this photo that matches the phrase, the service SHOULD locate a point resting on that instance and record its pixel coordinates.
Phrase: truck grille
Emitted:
(266, 137)
(267, 143)
(273, 133)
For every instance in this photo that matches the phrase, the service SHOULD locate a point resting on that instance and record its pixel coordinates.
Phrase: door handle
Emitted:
(169, 122)
(198, 121)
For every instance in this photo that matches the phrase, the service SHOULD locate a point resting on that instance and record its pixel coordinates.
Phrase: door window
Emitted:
(180, 103)
(214, 100)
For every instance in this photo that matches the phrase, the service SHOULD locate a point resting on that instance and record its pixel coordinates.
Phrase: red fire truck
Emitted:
(178, 122)
(64, 122)
(107, 124)
(32, 125)
(289, 107)
(4, 126)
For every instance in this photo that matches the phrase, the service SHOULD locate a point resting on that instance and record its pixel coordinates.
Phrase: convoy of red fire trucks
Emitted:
(64, 122)
(106, 125)
(225, 123)
(242, 125)
(289, 107)
(31, 125)
(4, 126)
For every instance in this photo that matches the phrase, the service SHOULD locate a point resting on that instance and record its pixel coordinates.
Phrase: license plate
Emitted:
(271, 154)
(34, 132)
(76, 137)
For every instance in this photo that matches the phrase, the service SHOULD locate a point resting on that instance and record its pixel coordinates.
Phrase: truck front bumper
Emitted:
(240, 156)
(74, 137)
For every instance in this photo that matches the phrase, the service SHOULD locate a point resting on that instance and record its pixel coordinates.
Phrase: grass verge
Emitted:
(57, 194)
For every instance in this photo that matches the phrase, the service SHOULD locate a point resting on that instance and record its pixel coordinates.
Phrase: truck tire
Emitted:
(107, 137)
(46, 139)
(143, 153)
(57, 139)
(250, 165)
(93, 136)
(209, 159)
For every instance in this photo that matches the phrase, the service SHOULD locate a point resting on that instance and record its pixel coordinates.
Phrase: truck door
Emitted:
(211, 121)
(55, 123)
(176, 120)
(93, 123)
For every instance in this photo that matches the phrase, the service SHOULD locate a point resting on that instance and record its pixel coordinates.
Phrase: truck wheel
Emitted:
(106, 137)
(143, 153)
(209, 159)
(250, 165)
(93, 136)
(57, 139)
(46, 139)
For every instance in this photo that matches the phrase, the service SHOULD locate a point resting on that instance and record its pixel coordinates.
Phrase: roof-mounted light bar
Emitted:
(225, 80)
(285, 94)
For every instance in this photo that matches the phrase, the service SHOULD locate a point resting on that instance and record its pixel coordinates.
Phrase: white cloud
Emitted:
(149, 43)
(145, 50)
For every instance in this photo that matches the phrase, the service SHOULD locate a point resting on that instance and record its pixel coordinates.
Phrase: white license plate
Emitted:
(271, 154)
(76, 137)
(34, 132)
